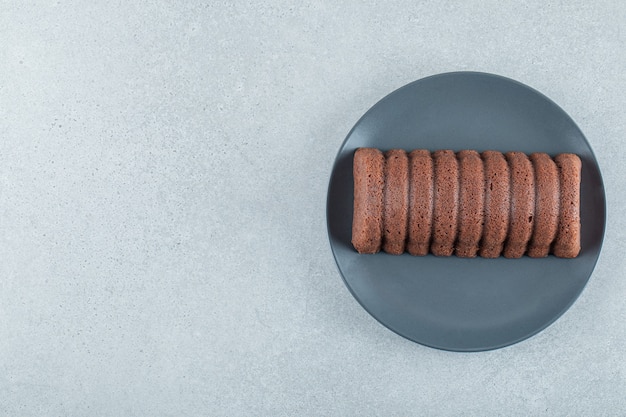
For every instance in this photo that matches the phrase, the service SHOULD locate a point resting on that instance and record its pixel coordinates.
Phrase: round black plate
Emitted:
(453, 303)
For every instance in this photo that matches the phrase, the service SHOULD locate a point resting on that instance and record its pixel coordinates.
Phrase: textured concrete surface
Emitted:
(163, 174)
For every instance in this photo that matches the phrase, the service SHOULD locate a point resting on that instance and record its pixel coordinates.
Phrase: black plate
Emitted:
(453, 303)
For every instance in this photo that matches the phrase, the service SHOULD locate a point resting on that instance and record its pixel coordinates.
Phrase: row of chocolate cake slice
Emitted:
(466, 203)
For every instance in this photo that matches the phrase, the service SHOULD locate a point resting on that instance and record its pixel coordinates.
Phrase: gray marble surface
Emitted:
(163, 174)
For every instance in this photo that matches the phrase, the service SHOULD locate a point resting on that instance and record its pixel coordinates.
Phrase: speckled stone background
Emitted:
(163, 174)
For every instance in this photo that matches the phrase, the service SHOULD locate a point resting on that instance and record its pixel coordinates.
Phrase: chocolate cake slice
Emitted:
(497, 204)
(471, 201)
(522, 204)
(367, 222)
(547, 196)
(420, 202)
(445, 212)
(396, 209)
(567, 244)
